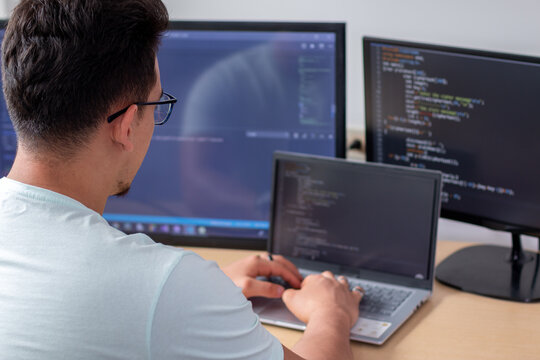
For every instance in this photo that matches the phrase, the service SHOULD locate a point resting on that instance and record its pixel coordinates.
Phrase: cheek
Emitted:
(150, 133)
(146, 139)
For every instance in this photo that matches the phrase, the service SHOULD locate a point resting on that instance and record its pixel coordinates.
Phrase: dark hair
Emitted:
(66, 63)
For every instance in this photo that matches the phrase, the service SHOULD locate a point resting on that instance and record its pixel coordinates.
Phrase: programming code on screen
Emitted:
(311, 199)
(472, 117)
(352, 216)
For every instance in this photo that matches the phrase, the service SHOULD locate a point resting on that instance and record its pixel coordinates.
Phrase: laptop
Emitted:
(375, 224)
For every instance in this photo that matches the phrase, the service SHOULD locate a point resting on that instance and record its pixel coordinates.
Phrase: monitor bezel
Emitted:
(333, 27)
(494, 224)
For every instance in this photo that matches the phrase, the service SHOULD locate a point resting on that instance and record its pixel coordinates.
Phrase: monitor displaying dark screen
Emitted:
(357, 215)
(471, 115)
(244, 90)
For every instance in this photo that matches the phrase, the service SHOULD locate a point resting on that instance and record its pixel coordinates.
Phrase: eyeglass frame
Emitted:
(172, 100)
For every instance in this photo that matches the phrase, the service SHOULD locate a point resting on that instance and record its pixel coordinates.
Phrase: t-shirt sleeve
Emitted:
(201, 314)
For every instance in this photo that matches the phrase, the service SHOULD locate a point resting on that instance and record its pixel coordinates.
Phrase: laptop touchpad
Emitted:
(274, 309)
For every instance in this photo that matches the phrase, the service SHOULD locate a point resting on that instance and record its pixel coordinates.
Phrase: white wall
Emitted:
(6, 6)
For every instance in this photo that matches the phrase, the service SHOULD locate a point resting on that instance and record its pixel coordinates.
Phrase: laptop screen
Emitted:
(356, 215)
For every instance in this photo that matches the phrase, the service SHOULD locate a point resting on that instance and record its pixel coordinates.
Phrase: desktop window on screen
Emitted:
(242, 95)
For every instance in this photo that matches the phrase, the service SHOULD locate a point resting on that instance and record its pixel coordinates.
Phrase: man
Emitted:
(82, 85)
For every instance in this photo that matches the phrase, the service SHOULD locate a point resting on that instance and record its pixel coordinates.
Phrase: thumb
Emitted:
(263, 288)
(288, 296)
(295, 305)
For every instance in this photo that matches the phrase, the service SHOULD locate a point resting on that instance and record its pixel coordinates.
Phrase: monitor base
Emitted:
(494, 271)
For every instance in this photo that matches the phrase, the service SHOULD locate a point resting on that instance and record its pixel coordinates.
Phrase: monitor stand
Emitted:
(495, 271)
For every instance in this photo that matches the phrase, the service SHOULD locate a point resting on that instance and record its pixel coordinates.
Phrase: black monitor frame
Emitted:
(495, 224)
(339, 30)
(485, 269)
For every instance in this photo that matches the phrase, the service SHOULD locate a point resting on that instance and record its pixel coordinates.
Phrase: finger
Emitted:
(343, 280)
(274, 268)
(262, 288)
(328, 274)
(296, 304)
(288, 264)
(288, 297)
(358, 292)
(309, 278)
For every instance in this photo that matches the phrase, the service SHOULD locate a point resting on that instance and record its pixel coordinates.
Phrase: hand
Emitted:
(244, 272)
(323, 294)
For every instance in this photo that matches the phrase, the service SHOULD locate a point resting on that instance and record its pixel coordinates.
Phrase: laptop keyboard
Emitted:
(381, 300)
(378, 300)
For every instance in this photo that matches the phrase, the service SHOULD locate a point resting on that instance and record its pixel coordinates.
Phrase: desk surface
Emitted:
(451, 325)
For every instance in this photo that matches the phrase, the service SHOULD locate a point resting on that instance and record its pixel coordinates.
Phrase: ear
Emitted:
(122, 128)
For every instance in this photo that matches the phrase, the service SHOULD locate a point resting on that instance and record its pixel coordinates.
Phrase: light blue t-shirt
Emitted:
(73, 287)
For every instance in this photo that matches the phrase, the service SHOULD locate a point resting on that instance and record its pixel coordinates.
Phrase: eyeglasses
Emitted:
(162, 112)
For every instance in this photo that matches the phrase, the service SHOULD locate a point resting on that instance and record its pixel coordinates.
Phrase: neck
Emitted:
(77, 178)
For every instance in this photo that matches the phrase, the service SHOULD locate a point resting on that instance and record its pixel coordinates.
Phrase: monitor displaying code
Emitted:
(471, 115)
